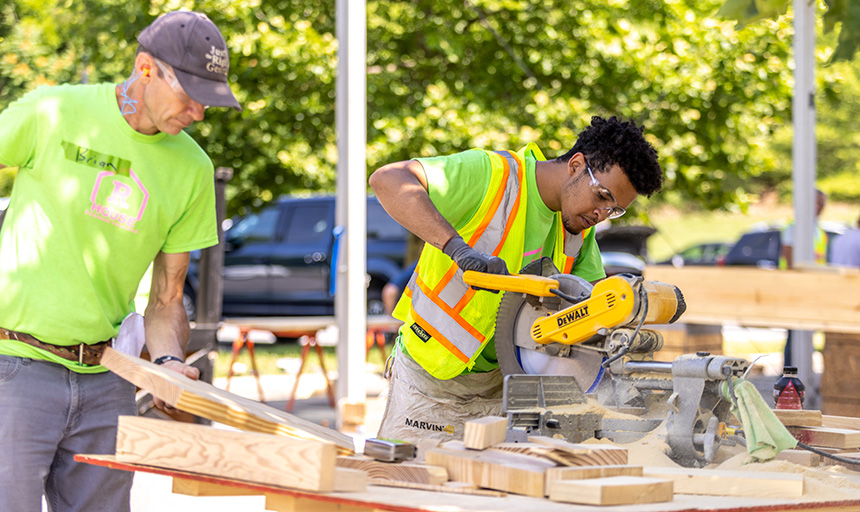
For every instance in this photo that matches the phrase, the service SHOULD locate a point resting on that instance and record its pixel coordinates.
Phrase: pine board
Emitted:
(714, 482)
(587, 472)
(799, 418)
(484, 432)
(615, 490)
(252, 457)
(794, 299)
(203, 399)
(827, 437)
(401, 471)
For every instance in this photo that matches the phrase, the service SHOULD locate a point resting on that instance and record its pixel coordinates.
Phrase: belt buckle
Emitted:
(81, 354)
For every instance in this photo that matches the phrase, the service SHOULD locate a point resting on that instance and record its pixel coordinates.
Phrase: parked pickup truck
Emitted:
(278, 261)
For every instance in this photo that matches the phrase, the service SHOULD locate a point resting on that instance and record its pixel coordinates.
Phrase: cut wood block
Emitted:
(350, 480)
(846, 422)
(203, 399)
(402, 471)
(258, 458)
(485, 432)
(586, 472)
(585, 454)
(509, 472)
(828, 437)
(800, 457)
(715, 482)
(799, 418)
(615, 490)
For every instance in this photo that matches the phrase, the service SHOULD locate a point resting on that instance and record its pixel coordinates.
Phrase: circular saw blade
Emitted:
(519, 354)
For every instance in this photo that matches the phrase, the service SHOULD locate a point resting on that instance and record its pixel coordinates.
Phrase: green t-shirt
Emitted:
(93, 204)
(458, 183)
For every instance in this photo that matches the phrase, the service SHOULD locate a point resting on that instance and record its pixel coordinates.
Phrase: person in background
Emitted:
(786, 257)
(108, 183)
(846, 248)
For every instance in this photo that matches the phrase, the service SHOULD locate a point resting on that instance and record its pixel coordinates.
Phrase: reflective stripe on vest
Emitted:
(438, 309)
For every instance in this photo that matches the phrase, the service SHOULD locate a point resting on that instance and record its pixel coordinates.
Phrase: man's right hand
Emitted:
(468, 258)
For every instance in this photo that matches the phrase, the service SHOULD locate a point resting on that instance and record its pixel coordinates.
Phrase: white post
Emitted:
(351, 115)
(803, 172)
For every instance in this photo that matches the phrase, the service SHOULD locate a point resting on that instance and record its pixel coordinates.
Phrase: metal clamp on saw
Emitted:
(553, 324)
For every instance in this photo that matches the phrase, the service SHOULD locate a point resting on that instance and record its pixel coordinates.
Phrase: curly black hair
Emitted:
(615, 141)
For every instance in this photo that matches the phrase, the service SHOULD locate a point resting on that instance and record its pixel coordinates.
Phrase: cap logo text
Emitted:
(218, 61)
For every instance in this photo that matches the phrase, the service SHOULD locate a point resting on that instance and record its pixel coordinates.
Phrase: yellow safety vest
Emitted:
(819, 248)
(446, 323)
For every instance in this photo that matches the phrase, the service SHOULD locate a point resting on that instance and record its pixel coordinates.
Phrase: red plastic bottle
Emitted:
(788, 392)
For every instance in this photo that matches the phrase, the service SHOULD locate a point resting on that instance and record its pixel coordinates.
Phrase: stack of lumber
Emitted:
(270, 447)
(839, 435)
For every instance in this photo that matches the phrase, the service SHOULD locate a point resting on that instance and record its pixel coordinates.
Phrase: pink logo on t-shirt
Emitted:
(115, 201)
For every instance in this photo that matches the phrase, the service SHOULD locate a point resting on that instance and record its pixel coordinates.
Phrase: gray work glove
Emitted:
(469, 259)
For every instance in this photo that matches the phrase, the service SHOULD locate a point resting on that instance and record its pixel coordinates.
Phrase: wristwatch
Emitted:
(164, 359)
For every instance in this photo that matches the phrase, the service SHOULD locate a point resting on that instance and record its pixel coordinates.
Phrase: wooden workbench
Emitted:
(379, 498)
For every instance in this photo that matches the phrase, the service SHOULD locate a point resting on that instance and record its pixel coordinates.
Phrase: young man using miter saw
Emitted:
(493, 212)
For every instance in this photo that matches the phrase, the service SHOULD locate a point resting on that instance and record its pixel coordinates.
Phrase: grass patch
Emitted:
(267, 357)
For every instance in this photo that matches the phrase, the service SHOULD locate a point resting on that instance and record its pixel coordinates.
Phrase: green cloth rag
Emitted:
(765, 434)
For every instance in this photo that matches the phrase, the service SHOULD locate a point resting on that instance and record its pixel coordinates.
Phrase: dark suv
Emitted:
(278, 261)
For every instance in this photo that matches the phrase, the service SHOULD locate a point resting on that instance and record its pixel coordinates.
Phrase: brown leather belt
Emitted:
(83, 353)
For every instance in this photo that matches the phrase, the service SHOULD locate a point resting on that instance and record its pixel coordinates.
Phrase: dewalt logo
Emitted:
(573, 316)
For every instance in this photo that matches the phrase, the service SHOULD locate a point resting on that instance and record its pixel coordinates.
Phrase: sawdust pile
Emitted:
(592, 407)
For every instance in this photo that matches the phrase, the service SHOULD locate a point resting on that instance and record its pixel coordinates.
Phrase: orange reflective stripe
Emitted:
(455, 315)
(568, 264)
(441, 339)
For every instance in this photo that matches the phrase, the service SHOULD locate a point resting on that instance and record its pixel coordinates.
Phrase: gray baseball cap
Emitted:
(196, 50)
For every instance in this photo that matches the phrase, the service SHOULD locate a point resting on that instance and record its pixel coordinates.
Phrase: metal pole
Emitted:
(803, 171)
(351, 119)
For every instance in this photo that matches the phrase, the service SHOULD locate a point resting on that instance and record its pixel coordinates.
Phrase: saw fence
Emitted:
(300, 466)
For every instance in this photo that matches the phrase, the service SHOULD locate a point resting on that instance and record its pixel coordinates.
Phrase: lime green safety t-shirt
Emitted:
(93, 203)
(458, 183)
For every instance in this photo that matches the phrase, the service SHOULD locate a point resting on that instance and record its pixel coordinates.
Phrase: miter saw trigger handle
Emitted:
(520, 283)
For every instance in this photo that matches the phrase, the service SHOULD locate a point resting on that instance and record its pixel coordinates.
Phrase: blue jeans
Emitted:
(47, 415)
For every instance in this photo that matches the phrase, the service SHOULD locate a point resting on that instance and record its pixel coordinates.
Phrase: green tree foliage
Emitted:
(447, 75)
(841, 16)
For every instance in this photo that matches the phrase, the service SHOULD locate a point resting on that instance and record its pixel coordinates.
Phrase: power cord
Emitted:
(828, 455)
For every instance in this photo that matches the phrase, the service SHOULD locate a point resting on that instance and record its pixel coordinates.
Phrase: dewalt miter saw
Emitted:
(558, 339)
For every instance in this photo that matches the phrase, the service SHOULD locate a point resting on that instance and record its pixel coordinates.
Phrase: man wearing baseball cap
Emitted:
(108, 183)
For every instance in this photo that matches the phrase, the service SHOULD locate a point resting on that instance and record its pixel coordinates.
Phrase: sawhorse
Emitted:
(309, 341)
(240, 341)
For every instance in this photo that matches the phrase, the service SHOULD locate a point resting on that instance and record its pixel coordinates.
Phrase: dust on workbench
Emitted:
(821, 483)
(591, 406)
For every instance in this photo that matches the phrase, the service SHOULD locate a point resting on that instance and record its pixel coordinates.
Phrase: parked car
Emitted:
(761, 246)
(278, 261)
(624, 249)
(709, 253)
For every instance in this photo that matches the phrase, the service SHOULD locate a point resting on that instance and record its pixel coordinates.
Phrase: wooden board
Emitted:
(586, 472)
(585, 454)
(714, 482)
(509, 472)
(615, 490)
(485, 432)
(799, 418)
(828, 437)
(800, 457)
(252, 457)
(846, 422)
(794, 299)
(401, 471)
(203, 399)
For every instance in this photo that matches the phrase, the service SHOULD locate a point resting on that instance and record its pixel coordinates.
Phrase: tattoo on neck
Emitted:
(129, 106)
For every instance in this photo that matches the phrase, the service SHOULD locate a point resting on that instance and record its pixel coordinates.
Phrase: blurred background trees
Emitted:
(447, 75)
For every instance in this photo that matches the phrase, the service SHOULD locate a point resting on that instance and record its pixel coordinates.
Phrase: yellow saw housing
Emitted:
(614, 302)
